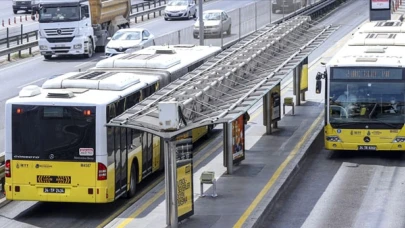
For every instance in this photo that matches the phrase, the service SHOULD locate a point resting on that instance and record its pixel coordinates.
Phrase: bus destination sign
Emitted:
(367, 73)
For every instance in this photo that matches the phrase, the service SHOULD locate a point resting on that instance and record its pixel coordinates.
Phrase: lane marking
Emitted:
(277, 174)
(30, 83)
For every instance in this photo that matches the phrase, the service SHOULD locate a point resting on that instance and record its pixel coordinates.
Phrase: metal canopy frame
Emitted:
(229, 84)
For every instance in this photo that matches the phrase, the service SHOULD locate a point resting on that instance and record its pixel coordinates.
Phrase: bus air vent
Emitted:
(165, 51)
(29, 91)
(389, 23)
(60, 94)
(89, 75)
(184, 46)
(375, 50)
(366, 60)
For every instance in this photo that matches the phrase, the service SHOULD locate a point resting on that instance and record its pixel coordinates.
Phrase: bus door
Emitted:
(147, 150)
(120, 161)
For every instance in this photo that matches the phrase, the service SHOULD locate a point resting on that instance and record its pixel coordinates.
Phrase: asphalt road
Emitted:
(36, 70)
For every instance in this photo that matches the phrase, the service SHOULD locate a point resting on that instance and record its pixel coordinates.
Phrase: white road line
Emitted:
(30, 83)
(83, 64)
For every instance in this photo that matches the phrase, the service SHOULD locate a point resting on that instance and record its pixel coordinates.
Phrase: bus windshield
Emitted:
(59, 14)
(367, 104)
(56, 133)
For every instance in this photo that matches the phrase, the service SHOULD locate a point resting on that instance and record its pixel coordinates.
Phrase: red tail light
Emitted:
(8, 168)
(102, 172)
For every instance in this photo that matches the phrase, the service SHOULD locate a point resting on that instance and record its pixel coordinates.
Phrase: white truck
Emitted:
(79, 27)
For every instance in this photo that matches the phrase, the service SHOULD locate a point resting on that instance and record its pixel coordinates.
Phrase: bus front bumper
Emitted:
(365, 146)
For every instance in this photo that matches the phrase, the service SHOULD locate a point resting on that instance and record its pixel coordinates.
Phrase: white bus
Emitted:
(389, 26)
(57, 146)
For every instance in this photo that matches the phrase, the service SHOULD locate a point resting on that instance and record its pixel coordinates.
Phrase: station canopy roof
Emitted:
(229, 84)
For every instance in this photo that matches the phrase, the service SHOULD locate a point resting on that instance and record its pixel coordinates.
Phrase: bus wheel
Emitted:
(132, 183)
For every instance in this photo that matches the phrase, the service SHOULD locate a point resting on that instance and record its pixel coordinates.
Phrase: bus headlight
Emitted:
(399, 139)
(333, 139)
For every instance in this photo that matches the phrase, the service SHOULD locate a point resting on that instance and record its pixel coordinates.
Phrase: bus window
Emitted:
(132, 100)
(110, 112)
(120, 107)
(110, 145)
(146, 91)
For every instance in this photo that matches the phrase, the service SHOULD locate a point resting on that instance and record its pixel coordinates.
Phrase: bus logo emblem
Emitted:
(366, 139)
(37, 166)
(51, 156)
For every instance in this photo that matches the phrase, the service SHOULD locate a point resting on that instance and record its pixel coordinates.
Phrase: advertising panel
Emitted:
(238, 140)
(380, 4)
(304, 76)
(275, 103)
(185, 196)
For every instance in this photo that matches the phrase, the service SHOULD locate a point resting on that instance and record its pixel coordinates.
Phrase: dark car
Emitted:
(287, 6)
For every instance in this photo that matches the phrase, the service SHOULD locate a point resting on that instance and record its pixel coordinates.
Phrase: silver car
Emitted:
(128, 40)
(215, 21)
(177, 9)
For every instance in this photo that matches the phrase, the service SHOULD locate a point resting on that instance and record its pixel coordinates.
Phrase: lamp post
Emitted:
(200, 17)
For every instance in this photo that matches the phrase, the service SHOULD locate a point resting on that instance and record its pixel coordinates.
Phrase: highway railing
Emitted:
(17, 43)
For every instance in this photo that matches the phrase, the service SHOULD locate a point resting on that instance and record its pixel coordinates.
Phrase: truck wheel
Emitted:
(195, 14)
(48, 57)
(90, 51)
(15, 11)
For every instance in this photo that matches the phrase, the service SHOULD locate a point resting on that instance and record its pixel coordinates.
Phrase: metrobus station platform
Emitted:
(244, 195)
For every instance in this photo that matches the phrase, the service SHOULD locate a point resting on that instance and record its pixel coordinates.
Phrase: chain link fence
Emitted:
(243, 22)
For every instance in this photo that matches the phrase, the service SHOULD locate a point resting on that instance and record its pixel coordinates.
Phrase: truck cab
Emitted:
(78, 27)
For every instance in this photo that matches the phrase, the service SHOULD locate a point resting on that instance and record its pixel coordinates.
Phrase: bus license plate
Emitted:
(367, 147)
(54, 190)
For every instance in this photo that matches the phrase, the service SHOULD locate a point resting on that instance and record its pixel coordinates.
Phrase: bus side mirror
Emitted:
(318, 86)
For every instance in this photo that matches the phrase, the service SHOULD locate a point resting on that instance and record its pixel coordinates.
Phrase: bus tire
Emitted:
(132, 182)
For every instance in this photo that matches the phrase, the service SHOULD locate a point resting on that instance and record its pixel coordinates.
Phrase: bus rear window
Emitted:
(59, 133)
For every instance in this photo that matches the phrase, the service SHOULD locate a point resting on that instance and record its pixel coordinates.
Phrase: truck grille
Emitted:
(60, 40)
(23, 3)
(60, 49)
(59, 32)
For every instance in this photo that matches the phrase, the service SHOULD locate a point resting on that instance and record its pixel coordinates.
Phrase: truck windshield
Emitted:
(372, 103)
(59, 14)
(57, 133)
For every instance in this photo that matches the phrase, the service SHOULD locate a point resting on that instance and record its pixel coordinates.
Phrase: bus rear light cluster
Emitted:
(102, 172)
(333, 139)
(8, 168)
(399, 139)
